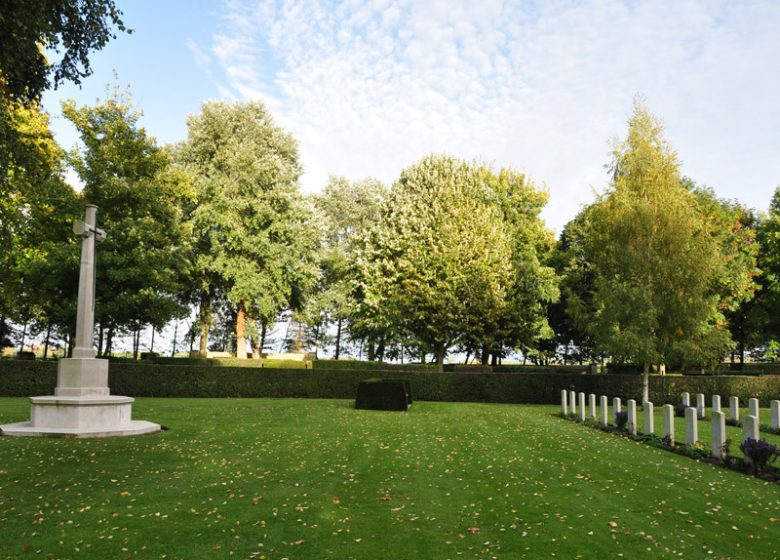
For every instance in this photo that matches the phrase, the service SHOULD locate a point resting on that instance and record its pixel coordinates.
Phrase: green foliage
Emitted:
(437, 265)
(659, 274)
(140, 197)
(29, 26)
(345, 211)
(36, 211)
(252, 235)
(19, 378)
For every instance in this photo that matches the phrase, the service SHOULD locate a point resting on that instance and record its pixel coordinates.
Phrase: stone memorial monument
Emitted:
(81, 405)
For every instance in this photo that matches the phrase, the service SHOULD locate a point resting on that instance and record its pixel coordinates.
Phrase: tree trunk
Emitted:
(46, 343)
(380, 349)
(255, 341)
(241, 331)
(262, 339)
(494, 359)
(338, 341)
(151, 348)
(110, 340)
(136, 343)
(175, 334)
(485, 357)
(100, 340)
(741, 353)
(203, 323)
(371, 350)
(646, 384)
(24, 334)
(440, 351)
(468, 355)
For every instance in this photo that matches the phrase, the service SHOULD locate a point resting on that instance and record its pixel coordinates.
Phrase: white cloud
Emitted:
(369, 87)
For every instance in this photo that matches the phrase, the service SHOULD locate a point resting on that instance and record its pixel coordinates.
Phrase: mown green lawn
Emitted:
(299, 479)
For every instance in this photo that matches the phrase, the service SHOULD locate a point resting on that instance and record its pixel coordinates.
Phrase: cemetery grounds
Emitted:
(300, 479)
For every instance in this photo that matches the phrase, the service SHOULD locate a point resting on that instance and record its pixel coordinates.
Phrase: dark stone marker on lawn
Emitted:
(384, 394)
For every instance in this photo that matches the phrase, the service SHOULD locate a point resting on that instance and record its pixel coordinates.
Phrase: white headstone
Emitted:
(564, 402)
(615, 408)
(775, 409)
(734, 408)
(700, 405)
(572, 402)
(718, 433)
(691, 426)
(592, 406)
(716, 403)
(631, 425)
(753, 408)
(649, 420)
(581, 406)
(750, 427)
(604, 410)
(668, 411)
(685, 398)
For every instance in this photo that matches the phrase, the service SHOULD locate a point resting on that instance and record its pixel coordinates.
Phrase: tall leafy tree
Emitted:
(140, 196)
(34, 212)
(345, 209)
(764, 313)
(655, 259)
(251, 236)
(437, 264)
(72, 28)
(534, 285)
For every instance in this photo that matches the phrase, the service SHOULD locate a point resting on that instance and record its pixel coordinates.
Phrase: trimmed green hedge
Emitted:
(25, 378)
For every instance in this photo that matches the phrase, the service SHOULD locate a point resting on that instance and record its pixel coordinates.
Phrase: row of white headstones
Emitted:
(750, 424)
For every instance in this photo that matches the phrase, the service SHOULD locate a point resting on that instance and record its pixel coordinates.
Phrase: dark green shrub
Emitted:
(145, 379)
(25, 355)
(382, 394)
(621, 420)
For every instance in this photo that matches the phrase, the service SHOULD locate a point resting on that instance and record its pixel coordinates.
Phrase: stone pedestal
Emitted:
(81, 406)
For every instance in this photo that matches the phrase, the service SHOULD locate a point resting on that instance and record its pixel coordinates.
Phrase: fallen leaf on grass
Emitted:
(473, 530)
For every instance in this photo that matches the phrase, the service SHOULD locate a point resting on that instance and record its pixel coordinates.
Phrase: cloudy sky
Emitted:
(368, 88)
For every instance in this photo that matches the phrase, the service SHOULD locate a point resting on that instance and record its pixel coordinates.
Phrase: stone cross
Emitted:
(85, 314)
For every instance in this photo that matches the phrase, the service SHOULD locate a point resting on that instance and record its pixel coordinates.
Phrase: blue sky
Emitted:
(369, 87)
